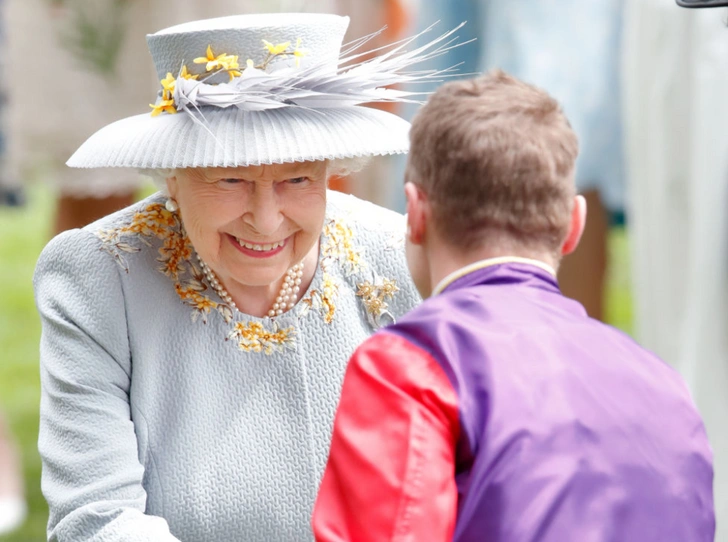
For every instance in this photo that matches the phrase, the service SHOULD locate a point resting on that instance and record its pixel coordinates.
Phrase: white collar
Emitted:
(482, 264)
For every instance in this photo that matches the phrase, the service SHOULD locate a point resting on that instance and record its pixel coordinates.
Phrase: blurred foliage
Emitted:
(618, 300)
(95, 33)
(23, 233)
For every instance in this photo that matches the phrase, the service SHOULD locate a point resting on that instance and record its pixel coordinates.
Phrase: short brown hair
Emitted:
(495, 157)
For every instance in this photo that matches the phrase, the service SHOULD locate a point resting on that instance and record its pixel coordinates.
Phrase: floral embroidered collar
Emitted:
(266, 335)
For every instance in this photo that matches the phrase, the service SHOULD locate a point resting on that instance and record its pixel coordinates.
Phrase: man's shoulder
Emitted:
(433, 309)
(422, 326)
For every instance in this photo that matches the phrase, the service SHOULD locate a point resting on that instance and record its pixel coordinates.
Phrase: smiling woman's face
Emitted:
(252, 224)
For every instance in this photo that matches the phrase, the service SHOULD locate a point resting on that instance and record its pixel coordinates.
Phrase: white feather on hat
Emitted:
(284, 103)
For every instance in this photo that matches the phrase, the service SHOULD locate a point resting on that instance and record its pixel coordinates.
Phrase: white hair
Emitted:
(159, 177)
(337, 167)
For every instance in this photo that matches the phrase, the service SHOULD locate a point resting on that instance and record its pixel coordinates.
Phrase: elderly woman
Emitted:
(194, 344)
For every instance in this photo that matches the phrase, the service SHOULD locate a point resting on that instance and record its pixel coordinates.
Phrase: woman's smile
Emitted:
(258, 250)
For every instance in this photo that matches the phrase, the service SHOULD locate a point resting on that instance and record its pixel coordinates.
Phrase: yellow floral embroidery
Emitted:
(253, 337)
(330, 291)
(375, 296)
(190, 294)
(325, 300)
(154, 221)
(175, 255)
(340, 246)
(176, 262)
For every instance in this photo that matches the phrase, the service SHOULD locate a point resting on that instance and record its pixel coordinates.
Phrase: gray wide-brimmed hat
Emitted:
(264, 89)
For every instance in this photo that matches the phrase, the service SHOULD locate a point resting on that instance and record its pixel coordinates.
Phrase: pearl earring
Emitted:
(171, 205)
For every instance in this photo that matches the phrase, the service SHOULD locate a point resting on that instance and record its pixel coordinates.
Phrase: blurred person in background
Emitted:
(676, 83)
(571, 48)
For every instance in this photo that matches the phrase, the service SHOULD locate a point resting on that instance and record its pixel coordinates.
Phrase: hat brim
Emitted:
(236, 138)
(702, 3)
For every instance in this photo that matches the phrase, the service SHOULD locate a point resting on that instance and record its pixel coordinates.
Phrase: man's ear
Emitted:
(576, 226)
(417, 213)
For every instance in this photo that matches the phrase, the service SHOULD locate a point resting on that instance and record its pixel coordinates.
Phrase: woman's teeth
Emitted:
(260, 248)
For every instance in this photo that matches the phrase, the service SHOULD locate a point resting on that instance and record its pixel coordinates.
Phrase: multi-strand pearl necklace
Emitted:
(286, 297)
(289, 291)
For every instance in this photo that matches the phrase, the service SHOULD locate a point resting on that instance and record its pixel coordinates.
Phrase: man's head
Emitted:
(491, 173)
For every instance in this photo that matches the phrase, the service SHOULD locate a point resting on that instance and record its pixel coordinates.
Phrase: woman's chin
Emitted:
(258, 278)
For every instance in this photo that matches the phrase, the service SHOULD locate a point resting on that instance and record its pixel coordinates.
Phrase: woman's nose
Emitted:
(263, 212)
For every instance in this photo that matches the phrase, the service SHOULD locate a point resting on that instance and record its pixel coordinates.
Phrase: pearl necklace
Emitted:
(286, 297)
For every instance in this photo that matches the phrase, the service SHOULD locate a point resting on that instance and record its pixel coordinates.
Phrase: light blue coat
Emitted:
(166, 415)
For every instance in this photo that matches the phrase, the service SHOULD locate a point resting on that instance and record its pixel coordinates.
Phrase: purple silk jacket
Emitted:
(567, 429)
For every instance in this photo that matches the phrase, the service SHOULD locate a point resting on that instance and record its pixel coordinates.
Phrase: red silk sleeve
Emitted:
(391, 469)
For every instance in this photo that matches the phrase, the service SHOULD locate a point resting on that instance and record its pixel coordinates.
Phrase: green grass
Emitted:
(23, 233)
(618, 300)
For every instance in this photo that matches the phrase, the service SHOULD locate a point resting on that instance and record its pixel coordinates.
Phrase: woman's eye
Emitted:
(298, 180)
(231, 181)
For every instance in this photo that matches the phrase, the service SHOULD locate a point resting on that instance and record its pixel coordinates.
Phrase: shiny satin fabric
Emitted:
(566, 429)
(390, 474)
(570, 430)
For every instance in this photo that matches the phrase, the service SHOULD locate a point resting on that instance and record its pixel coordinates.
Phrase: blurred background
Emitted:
(643, 83)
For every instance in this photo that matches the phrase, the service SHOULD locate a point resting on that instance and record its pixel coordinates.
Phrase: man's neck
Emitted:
(445, 261)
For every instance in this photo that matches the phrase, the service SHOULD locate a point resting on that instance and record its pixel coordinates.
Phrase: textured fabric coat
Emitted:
(166, 414)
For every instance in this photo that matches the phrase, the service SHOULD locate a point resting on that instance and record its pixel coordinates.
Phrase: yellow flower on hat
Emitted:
(299, 53)
(276, 49)
(223, 61)
(210, 59)
(230, 63)
(185, 74)
(166, 106)
(168, 85)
